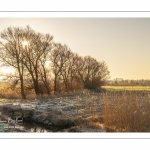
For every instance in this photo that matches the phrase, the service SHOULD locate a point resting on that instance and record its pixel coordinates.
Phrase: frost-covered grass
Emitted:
(78, 110)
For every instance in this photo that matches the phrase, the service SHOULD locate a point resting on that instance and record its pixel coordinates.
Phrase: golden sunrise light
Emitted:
(7, 70)
(96, 69)
(123, 43)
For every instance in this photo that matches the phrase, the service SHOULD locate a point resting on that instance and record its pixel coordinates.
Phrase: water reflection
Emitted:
(37, 129)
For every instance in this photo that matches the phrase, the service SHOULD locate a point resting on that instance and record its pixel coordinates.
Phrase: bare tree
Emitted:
(27, 57)
(58, 59)
(92, 73)
(69, 70)
(35, 54)
(45, 76)
(66, 69)
(27, 51)
(11, 52)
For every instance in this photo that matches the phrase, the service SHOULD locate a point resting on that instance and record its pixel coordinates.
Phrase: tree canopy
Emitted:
(28, 51)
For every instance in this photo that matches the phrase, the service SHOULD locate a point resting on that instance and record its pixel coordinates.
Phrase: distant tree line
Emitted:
(128, 83)
(46, 66)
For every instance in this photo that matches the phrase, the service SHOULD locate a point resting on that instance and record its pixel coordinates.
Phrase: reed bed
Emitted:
(126, 111)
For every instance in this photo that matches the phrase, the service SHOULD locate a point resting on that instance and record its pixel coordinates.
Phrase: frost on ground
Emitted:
(70, 113)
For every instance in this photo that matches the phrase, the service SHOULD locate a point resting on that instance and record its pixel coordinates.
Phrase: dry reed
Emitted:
(126, 111)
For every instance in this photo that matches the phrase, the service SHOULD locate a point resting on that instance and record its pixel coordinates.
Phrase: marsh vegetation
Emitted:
(86, 111)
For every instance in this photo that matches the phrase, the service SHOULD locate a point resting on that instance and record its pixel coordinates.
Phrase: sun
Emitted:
(25, 43)
(47, 63)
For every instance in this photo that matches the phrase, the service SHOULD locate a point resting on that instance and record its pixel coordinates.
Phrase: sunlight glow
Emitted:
(47, 63)
(7, 70)
(25, 43)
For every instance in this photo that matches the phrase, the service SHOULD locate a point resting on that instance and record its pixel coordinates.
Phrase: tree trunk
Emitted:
(36, 88)
(22, 89)
(21, 84)
(55, 85)
(47, 89)
(45, 81)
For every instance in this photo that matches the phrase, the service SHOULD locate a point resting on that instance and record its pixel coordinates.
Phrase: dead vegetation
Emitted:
(126, 111)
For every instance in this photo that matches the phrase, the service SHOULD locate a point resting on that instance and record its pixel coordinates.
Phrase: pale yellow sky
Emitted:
(123, 43)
